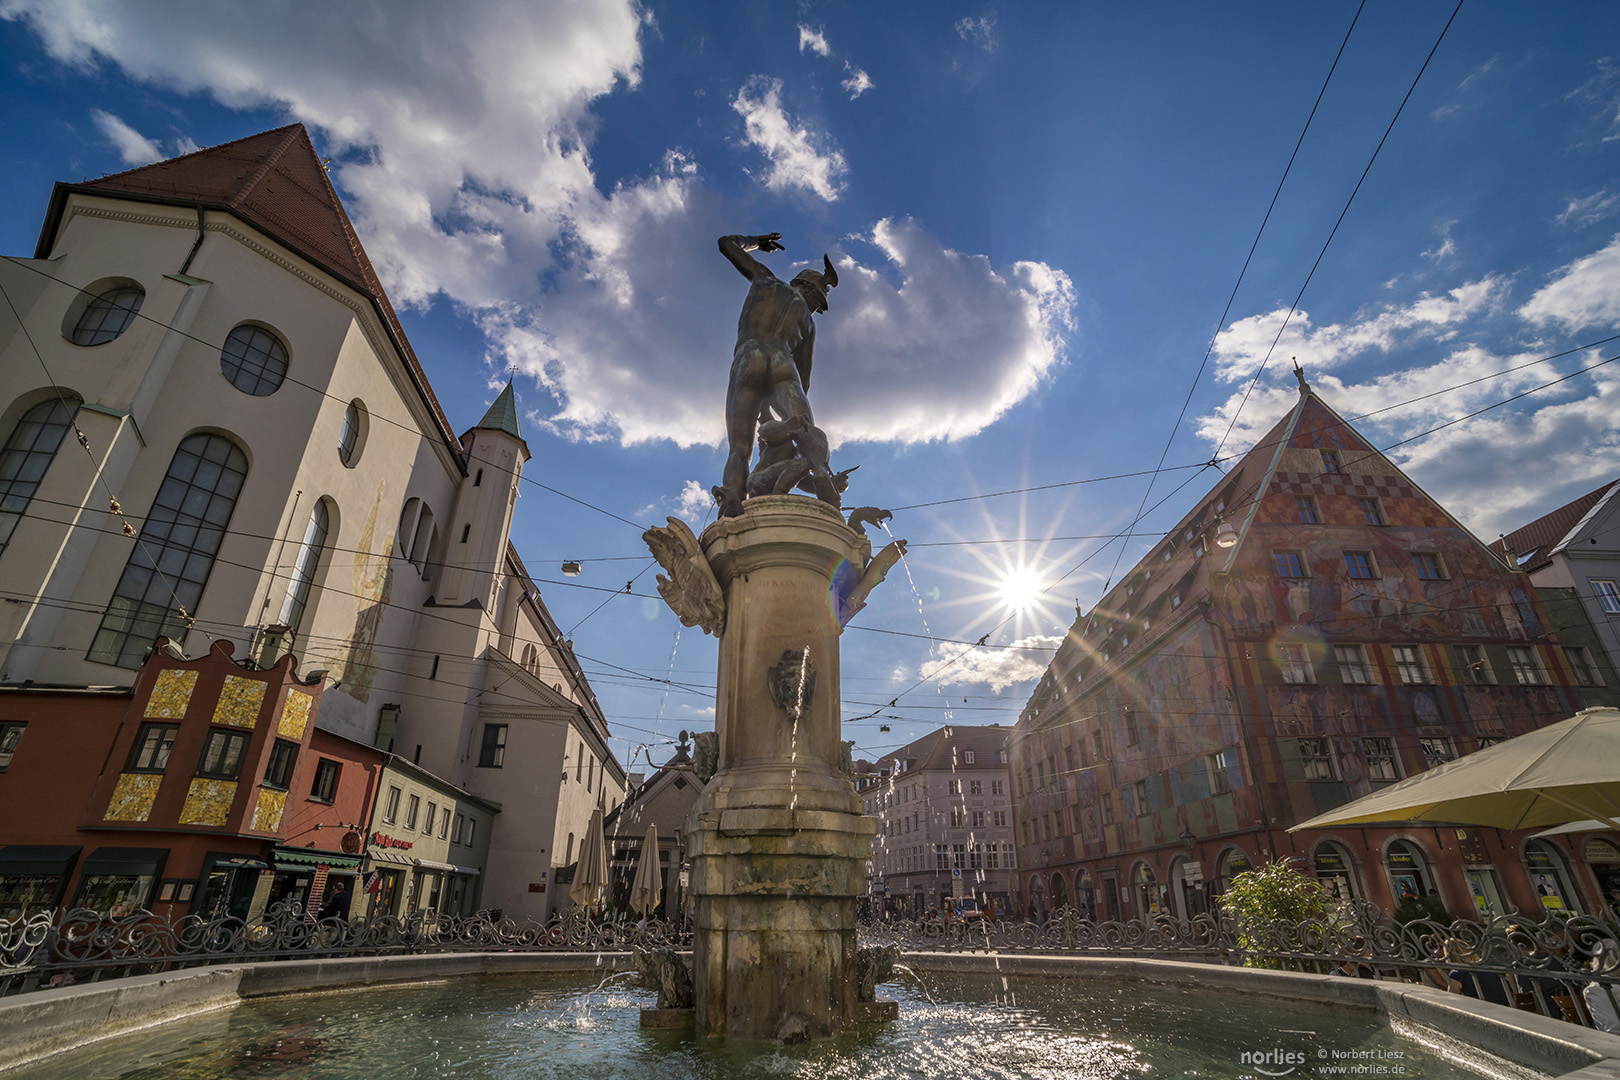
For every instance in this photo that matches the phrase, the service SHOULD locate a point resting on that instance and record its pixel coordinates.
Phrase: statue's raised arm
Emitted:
(736, 249)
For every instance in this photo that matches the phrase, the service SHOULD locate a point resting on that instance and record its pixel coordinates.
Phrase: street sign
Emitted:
(956, 874)
(956, 886)
(1192, 872)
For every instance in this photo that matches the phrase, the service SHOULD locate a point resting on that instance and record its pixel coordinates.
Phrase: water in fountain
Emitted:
(527, 1027)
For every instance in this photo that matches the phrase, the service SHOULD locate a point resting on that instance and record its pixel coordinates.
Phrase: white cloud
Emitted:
(1585, 294)
(461, 141)
(926, 343)
(458, 131)
(980, 31)
(814, 40)
(1241, 347)
(796, 161)
(856, 81)
(994, 668)
(1446, 248)
(132, 146)
(1590, 209)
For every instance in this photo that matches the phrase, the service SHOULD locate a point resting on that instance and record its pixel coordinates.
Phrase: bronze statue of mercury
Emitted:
(770, 368)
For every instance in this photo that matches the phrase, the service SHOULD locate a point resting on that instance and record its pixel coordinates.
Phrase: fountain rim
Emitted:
(48, 1023)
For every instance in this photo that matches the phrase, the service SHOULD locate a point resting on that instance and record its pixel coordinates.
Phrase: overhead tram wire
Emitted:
(1253, 500)
(940, 669)
(114, 506)
(1231, 298)
(412, 429)
(1294, 307)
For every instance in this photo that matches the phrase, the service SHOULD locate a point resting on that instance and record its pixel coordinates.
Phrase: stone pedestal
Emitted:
(778, 842)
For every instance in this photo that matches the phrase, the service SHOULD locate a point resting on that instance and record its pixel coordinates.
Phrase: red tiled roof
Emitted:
(1541, 534)
(275, 182)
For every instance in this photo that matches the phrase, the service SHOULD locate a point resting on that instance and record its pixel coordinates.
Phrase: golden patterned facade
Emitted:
(132, 799)
(208, 802)
(294, 715)
(171, 695)
(239, 702)
(267, 814)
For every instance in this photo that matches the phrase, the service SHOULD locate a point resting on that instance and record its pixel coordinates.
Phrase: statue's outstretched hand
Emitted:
(771, 242)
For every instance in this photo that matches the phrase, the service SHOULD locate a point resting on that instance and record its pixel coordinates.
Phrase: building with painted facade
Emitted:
(202, 789)
(1316, 628)
(944, 810)
(216, 430)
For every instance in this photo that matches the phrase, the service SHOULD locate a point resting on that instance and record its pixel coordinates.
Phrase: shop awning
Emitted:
(470, 871)
(429, 864)
(124, 862)
(383, 855)
(299, 858)
(36, 859)
(237, 862)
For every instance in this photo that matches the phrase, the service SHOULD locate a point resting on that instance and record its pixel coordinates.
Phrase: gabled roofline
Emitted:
(62, 192)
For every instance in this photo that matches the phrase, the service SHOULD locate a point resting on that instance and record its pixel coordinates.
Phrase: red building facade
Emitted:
(1316, 628)
(205, 788)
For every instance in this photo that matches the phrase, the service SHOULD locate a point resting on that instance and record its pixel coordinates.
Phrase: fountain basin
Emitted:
(1113, 1013)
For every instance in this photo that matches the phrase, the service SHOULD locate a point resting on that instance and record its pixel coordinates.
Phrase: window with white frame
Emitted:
(1372, 511)
(1526, 666)
(1428, 565)
(1360, 564)
(967, 757)
(1000, 819)
(1437, 751)
(1294, 661)
(1352, 661)
(1316, 755)
(1216, 768)
(1140, 792)
(975, 787)
(1409, 662)
(1608, 595)
(1382, 765)
(1475, 665)
(1305, 505)
(1290, 564)
(1580, 663)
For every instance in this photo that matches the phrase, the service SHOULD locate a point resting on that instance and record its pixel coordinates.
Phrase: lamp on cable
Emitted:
(1225, 535)
(571, 568)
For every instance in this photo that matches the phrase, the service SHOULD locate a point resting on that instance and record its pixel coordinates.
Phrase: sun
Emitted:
(1020, 589)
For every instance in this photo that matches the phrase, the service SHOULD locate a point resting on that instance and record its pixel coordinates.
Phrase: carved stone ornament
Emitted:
(691, 590)
(793, 683)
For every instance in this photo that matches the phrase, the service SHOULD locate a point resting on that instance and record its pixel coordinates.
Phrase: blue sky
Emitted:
(1038, 213)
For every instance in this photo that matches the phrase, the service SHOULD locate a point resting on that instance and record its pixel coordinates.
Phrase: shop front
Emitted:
(33, 877)
(307, 875)
(229, 883)
(119, 880)
(384, 880)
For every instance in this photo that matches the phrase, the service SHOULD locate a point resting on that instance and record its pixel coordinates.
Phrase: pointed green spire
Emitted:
(502, 415)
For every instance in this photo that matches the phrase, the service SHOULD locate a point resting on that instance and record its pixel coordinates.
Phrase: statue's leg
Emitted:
(742, 412)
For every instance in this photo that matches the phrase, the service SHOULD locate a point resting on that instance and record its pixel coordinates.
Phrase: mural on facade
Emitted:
(208, 802)
(356, 662)
(267, 813)
(133, 797)
(171, 694)
(239, 702)
(294, 716)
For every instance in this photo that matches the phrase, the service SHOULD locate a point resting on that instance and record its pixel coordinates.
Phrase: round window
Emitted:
(254, 360)
(107, 314)
(352, 437)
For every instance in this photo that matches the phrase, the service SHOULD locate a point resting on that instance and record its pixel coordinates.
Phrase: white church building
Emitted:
(251, 408)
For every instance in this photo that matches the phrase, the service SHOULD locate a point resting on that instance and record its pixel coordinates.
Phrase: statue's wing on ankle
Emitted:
(691, 590)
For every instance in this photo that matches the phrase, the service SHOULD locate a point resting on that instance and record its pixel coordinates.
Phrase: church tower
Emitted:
(482, 518)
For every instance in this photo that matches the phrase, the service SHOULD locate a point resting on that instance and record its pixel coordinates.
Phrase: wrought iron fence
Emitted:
(1561, 965)
(41, 951)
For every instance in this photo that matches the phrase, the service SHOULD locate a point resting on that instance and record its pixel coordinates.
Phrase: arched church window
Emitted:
(174, 553)
(29, 451)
